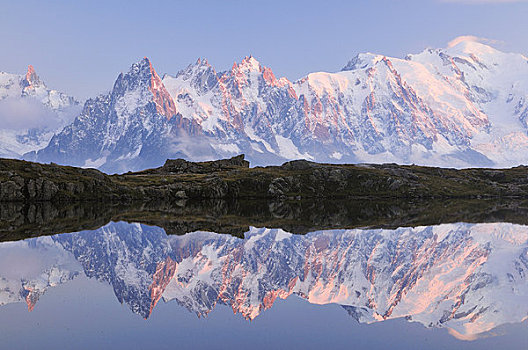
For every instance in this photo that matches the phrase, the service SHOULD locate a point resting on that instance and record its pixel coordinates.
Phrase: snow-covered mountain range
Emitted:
(464, 105)
(469, 278)
(30, 113)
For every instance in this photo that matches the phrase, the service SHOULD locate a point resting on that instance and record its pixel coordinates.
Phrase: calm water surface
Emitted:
(129, 285)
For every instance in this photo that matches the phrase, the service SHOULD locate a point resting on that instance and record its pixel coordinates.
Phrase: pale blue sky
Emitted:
(80, 46)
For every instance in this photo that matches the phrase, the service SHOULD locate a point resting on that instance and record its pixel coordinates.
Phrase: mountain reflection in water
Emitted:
(469, 278)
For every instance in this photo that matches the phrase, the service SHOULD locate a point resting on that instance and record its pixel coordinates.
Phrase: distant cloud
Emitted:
(22, 113)
(25, 113)
(192, 147)
(471, 38)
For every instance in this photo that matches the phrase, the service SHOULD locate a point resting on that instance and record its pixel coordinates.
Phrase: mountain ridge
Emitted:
(460, 106)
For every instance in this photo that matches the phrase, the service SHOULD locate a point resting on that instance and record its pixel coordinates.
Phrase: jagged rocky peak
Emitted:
(250, 68)
(31, 297)
(201, 76)
(138, 75)
(31, 78)
(184, 166)
(249, 63)
(244, 72)
(142, 76)
(363, 61)
(201, 65)
(202, 61)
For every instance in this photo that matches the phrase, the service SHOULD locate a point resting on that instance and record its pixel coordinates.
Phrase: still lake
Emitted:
(125, 284)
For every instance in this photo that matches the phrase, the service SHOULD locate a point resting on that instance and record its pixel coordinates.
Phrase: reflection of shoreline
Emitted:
(20, 221)
(467, 278)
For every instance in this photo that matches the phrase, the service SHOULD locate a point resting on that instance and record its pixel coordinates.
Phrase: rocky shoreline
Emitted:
(23, 181)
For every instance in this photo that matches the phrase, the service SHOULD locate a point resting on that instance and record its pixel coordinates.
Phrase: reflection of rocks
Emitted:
(469, 278)
(19, 220)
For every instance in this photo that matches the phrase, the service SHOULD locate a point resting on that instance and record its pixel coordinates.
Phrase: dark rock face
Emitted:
(32, 182)
(11, 191)
(180, 166)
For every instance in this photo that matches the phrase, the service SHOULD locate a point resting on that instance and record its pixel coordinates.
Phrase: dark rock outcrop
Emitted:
(232, 178)
(182, 166)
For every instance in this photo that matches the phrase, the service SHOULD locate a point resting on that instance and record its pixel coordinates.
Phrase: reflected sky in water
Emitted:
(455, 285)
